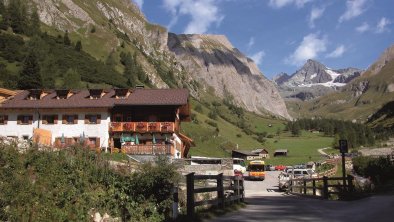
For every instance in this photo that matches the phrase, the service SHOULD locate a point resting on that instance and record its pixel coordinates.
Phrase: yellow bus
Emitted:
(256, 169)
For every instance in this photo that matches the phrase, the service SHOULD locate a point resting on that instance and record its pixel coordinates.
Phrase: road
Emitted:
(266, 203)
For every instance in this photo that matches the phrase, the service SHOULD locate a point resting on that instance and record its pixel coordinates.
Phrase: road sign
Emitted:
(343, 146)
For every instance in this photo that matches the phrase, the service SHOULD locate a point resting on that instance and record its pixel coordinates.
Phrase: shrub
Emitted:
(380, 170)
(65, 185)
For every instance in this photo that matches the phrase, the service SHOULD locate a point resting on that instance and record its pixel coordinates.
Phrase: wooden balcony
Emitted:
(154, 149)
(142, 127)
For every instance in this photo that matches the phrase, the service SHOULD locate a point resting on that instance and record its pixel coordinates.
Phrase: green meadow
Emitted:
(218, 137)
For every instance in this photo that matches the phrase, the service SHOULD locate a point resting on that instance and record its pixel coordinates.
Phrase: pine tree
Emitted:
(2, 7)
(17, 11)
(72, 79)
(78, 46)
(110, 61)
(34, 23)
(66, 39)
(4, 23)
(30, 77)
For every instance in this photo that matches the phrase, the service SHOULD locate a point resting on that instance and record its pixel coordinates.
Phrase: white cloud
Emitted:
(283, 3)
(354, 8)
(203, 14)
(315, 14)
(258, 57)
(338, 52)
(140, 3)
(310, 47)
(382, 25)
(251, 42)
(363, 27)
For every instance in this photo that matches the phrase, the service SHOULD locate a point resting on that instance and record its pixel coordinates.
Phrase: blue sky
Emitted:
(280, 35)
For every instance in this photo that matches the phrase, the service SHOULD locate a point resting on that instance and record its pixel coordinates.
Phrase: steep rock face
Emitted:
(208, 59)
(211, 59)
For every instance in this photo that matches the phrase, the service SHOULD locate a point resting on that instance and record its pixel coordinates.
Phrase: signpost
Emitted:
(343, 148)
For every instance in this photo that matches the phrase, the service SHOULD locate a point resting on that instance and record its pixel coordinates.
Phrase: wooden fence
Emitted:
(326, 186)
(231, 185)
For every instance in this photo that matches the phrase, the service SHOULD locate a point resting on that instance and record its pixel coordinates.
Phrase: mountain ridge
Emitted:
(116, 22)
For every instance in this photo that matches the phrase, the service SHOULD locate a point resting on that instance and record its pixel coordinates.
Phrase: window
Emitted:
(3, 119)
(93, 119)
(70, 119)
(25, 119)
(49, 119)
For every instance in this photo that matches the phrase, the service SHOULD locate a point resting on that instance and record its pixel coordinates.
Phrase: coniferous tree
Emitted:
(66, 39)
(2, 8)
(111, 61)
(78, 46)
(34, 28)
(72, 79)
(17, 12)
(30, 77)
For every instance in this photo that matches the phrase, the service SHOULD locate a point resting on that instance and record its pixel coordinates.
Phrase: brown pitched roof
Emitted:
(81, 99)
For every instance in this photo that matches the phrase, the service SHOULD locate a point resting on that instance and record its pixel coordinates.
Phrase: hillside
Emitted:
(120, 26)
(359, 99)
(110, 44)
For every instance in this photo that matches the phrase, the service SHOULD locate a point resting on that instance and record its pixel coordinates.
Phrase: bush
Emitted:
(380, 170)
(65, 185)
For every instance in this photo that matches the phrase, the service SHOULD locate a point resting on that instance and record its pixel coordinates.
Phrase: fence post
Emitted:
(325, 187)
(220, 190)
(243, 189)
(314, 187)
(190, 194)
(350, 183)
(304, 186)
(236, 180)
(175, 203)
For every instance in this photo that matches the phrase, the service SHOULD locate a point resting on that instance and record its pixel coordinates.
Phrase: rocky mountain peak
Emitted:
(280, 78)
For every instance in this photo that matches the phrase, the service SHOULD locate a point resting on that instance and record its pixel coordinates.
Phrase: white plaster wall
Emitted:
(59, 129)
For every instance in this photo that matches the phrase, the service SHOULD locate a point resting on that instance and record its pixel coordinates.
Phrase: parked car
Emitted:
(268, 167)
(280, 167)
(299, 173)
(284, 181)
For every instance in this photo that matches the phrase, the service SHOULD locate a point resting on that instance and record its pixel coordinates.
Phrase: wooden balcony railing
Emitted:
(142, 127)
(154, 149)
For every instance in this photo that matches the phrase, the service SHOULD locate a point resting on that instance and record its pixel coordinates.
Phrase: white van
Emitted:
(297, 173)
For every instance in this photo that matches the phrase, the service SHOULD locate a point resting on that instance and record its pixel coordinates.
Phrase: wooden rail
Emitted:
(309, 186)
(235, 184)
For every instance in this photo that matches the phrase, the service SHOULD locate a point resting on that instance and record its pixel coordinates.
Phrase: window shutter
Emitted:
(76, 119)
(86, 119)
(56, 117)
(5, 119)
(97, 141)
(30, 119)
(19, 119)
(64, 119)
(98, 119)
(44, 119)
